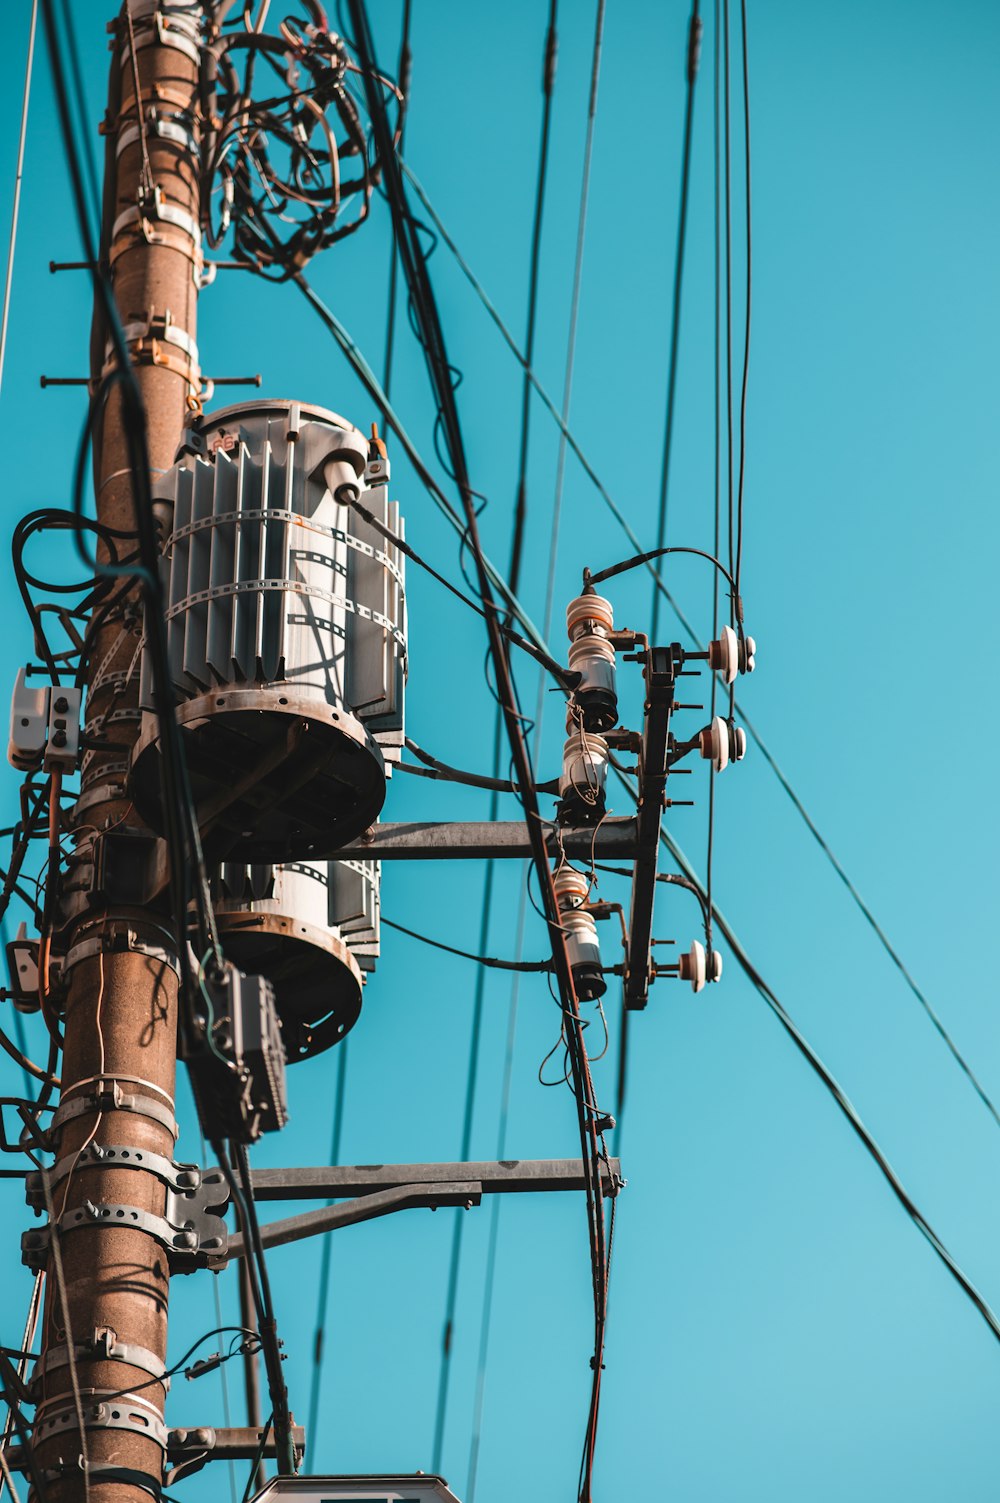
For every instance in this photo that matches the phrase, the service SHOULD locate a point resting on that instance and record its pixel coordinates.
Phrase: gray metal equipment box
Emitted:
(396, 1489)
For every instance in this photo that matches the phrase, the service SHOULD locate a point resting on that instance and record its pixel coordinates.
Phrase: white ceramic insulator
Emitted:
(585, 764)
(582, 944)
(692, 966)
(750, 647)
(588, 615)
(740, 747)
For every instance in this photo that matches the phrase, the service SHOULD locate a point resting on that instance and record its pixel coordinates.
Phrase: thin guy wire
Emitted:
(18, 175)
(672, 601)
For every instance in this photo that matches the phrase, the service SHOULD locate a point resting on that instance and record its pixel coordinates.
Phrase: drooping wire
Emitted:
(668, 595)
(18, 175)
(403, 77)
(693, 49)
(326, 1257)
(491, 963)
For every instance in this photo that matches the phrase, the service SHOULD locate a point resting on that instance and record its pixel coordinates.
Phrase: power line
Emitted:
(581, 235)
(841, 1098)
(693, 48)
(440, 373)
(521, 502)
(675, 606)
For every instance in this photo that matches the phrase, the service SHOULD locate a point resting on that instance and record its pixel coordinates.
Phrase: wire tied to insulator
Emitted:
(551, 57)
(694, 45)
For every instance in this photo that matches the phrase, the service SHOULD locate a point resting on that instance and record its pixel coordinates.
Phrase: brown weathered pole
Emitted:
(111, 1292)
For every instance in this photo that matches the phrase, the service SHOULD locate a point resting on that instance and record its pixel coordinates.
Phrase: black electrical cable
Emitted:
(436, 769)
(645, 558)
(738, 570)
(671, 600)
(485, 960)
(521, 494)
(425, 311)
(403, 77)
(513, 576)
(691, 70)
(241, 1190)
(562, 676)
(843, 1102)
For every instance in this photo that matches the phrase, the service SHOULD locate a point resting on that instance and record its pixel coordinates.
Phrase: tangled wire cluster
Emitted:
(292, 171)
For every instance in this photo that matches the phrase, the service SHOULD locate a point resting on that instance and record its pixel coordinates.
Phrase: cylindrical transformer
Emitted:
(582, 945)
(589, 620)
(286, 633)
(312, 930)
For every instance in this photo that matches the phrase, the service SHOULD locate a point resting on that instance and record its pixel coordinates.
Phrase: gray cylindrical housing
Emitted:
(312, 930)
(286, 632)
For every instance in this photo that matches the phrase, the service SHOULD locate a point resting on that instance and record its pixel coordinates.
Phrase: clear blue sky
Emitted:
(778, 1328)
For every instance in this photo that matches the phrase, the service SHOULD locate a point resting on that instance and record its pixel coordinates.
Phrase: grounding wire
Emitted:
(18, 175)
(693, 48)
(754, 734)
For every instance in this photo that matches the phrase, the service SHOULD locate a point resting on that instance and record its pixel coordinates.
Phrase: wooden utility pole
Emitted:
(107, 1282)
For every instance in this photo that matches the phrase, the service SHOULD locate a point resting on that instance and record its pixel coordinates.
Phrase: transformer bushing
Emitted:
(286, 633)
(312, 930)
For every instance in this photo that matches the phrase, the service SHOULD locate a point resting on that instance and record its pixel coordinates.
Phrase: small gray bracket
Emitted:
(193, 1236)
(178, 1177)
(102, 1346)
(103, 1409)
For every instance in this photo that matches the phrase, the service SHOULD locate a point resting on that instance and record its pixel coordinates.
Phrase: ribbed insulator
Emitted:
(582, 944)
(589, 615)
(585, 767)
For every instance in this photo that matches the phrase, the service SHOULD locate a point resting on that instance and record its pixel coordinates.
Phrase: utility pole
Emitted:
(107, 1284)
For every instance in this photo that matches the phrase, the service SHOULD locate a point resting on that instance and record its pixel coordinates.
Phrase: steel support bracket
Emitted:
(102, 1346)
(189, 1231)
(178, 1177)
(102, 1409)
(660, 668)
